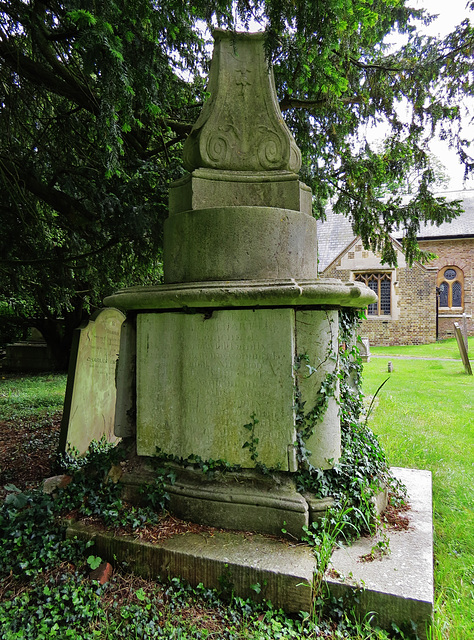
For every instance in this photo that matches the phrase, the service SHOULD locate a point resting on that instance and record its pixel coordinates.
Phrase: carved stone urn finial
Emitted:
(241, 127)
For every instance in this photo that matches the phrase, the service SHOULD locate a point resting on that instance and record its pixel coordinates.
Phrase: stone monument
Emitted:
(232, 350)
(89, 404)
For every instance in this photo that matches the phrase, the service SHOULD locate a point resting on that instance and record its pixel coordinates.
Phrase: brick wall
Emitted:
(459, 253)
(414, 293)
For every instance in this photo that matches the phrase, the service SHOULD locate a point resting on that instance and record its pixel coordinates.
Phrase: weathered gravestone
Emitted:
(464, 331)
(32, 354)
(89, 406)
(364, 348)
(462, 348)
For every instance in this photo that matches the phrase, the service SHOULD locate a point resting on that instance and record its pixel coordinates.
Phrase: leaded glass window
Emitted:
(385, 295)
(443, 294)
(456, 289)
(450, 274)
(450, 287)
(381, 284)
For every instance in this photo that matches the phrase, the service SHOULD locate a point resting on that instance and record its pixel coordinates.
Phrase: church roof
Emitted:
(335, 233)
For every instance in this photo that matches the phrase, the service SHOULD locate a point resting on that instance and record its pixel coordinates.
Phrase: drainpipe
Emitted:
(437, 311)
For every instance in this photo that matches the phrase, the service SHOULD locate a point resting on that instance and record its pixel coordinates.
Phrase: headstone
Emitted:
(89, 405)
(462, 348)
(28, 356)
(364, 348)
(32, 354)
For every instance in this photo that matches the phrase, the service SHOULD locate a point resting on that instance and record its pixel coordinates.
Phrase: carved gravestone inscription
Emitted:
(89, 406)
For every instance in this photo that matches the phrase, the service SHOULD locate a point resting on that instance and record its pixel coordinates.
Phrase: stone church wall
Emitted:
(413, 313)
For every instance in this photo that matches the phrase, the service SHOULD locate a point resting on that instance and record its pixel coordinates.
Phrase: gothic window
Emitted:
(382, 285)
(451, 287)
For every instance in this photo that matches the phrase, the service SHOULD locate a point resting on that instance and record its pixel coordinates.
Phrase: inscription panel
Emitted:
(316, 337)
(200, 379)
(89, 406)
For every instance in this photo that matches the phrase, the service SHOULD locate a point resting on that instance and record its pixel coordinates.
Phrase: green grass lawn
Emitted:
(442, 349)
(25, 396)
(424, 417)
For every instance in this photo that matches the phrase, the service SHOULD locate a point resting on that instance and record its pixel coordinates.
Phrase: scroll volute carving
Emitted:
(240, 127)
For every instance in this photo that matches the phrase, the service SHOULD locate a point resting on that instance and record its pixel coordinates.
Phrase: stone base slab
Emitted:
(243, 500)
(239, 560)
(398, 588)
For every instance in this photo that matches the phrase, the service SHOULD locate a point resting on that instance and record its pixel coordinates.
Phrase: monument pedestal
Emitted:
(237, 353)
(216, 373)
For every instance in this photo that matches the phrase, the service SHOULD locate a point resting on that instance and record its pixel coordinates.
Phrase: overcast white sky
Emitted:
(451, 13)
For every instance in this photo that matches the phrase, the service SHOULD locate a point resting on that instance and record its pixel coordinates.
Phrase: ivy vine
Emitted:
(362, 470)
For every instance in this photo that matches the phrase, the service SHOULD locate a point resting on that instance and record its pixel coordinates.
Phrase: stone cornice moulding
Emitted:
(271, 293)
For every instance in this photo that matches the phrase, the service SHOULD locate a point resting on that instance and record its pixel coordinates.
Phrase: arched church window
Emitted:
(451, 287)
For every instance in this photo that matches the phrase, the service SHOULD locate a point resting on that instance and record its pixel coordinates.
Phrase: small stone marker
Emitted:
(89, 405)
(364, 348)
(462, 348)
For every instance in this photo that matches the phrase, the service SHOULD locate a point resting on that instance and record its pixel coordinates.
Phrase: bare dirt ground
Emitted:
(28, 451)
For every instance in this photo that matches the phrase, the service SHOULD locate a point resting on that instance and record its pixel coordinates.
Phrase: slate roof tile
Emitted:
(336, 233)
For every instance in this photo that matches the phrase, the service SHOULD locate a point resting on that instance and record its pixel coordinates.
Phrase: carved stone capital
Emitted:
(241, 127)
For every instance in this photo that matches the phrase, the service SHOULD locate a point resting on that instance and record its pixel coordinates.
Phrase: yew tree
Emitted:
(97, 97)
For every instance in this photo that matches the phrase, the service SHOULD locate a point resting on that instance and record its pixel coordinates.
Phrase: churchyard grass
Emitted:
(442, 349)
(26, 396)
(424, 418)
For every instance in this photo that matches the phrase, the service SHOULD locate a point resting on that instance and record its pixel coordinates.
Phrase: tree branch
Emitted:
(74, 211)
(66, 260)
(295, 103)
(39, 75)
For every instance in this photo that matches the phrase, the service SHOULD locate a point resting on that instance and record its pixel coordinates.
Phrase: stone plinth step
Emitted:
(283, 570)
(397, 588)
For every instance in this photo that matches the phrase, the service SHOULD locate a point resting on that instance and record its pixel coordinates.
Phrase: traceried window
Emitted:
(451, 287)
(382, 285)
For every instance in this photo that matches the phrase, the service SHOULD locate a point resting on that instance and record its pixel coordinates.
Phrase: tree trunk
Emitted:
(58, 333)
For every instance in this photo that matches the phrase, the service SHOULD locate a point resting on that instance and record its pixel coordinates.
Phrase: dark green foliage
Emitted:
(252, 445)
(30, 540)
(92, 493)
(156, 494)
(96, 99)
(209, 466)
(56, 608)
